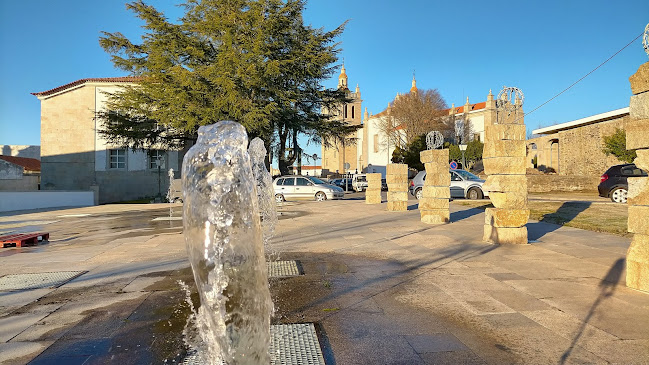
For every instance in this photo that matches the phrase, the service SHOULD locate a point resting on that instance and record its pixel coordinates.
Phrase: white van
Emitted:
(359, 182)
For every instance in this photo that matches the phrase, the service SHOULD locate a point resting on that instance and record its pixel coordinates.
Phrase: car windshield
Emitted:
(466, 175)
(316, 180)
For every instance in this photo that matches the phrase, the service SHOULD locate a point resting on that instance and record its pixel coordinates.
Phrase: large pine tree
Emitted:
(251, 61)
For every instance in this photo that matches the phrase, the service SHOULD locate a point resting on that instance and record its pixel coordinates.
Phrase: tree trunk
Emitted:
(297, 153)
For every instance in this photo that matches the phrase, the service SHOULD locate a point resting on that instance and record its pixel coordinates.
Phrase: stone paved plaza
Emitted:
(381, 287)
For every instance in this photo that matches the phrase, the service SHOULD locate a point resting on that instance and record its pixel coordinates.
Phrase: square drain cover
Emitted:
(291, 344)
(279, 269)
(37, 280)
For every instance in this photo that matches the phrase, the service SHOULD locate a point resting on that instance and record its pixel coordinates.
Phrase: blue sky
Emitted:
(463, 49)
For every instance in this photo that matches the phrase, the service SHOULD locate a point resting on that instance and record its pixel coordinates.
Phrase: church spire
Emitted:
(342, 79)
(413, 89)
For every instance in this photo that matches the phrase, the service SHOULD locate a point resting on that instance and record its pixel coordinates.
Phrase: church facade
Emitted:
(341, 157)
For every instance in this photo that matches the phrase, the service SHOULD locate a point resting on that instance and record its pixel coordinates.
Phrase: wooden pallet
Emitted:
(23, 239)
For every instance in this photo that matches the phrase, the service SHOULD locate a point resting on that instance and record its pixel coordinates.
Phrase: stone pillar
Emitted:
(637, 137)
(504, 162)
(373, 192)
(433, 206)
(397, 179)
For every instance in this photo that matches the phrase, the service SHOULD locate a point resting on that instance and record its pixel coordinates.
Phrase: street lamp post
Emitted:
(463, 148)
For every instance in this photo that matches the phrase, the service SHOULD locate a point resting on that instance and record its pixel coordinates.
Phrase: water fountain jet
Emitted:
(224, 242)
(265, 191)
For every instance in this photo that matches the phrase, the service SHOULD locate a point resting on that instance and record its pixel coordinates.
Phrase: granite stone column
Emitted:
(434, 203)
(373, 192)
(637, 137)
(397, 179)
(504, 161)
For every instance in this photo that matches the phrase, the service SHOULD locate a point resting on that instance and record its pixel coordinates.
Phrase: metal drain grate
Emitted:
(291, 344)
(37, 280)
(279, 269)
(295, 344)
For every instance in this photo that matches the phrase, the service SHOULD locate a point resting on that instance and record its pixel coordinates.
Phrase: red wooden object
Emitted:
(23, 239)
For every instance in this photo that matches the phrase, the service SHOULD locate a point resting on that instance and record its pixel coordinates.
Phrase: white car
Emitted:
(293, 187)
(463, 184)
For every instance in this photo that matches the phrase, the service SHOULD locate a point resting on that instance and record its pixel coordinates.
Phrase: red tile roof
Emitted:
(477, 106)
(30, 164)
(125, 79)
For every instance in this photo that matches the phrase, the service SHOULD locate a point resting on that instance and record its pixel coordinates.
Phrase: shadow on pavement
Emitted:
(464, 214)
(553, 221)
(459, 252)
(607, 288)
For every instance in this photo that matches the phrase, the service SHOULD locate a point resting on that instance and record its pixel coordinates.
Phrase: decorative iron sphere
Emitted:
(434, 140)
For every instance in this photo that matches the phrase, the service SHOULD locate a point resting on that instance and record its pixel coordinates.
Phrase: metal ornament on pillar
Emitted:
(434, 140)
(510, 99)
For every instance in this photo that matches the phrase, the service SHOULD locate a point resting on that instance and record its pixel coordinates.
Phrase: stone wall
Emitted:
(553, 182)
(116, 186)
(9, 171)
(579, 149)
(25, 183)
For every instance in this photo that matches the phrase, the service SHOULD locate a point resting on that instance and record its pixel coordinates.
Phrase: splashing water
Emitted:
(265, 191)
(170, 173)
(224, 243)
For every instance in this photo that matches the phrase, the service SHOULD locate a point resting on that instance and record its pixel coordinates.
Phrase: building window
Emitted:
(154, 157)
(345, 107)
(117, 159)
(376, 143)
(352, 112)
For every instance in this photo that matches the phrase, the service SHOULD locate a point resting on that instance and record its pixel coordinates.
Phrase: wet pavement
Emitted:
(381, 287)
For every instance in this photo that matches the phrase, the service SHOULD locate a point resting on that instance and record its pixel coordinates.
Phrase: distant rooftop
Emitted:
(583, 121)
(29, 164)
(125, 79)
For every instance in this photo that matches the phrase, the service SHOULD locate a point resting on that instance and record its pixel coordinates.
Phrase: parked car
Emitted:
(341, 183)
(463, 185)
(384, 185)
(293, 187)
(613, 183)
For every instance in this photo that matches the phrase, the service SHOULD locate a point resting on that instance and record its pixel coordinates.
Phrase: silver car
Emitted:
(294, 187)
(463, 185)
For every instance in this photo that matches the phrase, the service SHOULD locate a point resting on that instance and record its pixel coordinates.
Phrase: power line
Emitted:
(586, 75)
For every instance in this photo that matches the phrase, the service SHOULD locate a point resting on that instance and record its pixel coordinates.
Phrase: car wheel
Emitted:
(474, 193)
(320, 196)
(279, 198)
(618, 195)
(419, 193)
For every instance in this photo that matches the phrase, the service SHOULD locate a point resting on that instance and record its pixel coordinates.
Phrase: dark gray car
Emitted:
(463, 185)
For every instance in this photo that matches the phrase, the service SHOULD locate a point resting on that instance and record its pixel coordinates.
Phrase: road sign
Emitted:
(453, 165)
